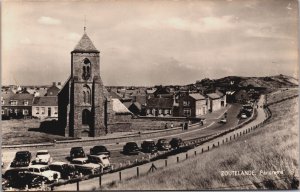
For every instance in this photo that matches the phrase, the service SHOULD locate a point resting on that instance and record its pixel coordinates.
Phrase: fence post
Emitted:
(177, 159)
(202, 150)
(186, 156)
(77, 185)
(226, 139)
(195, 152)
(207, 148)
(166, 162)
(223, 141)
(233, 136)
(137, 171)
(120, 176)
(218, 143)
(100, 180)
(230, 138)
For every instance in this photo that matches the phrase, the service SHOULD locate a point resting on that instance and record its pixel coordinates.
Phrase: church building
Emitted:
(85, 108)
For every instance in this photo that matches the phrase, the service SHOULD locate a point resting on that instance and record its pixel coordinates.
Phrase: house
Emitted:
(162, 107)
(16, 105)
(215, 102)
(163, 91)
(53, 90)
(192, 105)
(45, 107)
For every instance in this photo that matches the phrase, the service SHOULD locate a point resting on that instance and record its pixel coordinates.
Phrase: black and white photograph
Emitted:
(149, 95)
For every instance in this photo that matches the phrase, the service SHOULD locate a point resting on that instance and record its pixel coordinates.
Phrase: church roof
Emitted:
(85, 45)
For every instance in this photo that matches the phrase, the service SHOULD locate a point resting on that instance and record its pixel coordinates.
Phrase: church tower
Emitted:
(87, 100)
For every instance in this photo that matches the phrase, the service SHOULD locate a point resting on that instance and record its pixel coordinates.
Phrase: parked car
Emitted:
(77, 152)
(131, 148)
(148, 146)
(44, 170)
(28, 179)
(223, 120)
(66, 170)
(22, 159)
(163, 145)
(13, 173)
(243, 116)
(176, 143)
(85, 167)
(99, 150)
(101, 160)
(42, 157)
(5, 183)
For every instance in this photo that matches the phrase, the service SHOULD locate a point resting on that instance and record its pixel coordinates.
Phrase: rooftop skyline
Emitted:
(182, 42)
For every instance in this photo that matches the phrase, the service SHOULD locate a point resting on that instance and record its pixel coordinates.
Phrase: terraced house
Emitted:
(192, 105)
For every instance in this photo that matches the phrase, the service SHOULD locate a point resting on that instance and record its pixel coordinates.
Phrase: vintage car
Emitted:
(66, 170)
(101, 160)
(99, 150)
(148, 146)
(84, 166)
(131, 148)
(22, 159)
(42, 157)
(44, 170)
(163, 145)
(77, 152)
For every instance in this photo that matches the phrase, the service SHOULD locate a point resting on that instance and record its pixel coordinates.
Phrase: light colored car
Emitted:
(84, 166)
(102, 160)
(244, 116)
(223, 120)
(43, 157)
(45, 171)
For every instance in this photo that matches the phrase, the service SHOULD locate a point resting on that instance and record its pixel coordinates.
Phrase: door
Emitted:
(49, 111)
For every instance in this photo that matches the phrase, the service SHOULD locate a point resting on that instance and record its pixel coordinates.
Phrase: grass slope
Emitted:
(273, 147)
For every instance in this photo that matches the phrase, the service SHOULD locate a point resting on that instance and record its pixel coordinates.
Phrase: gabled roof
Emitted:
(160, 102)
(52, 91)
(85, 45)
(213, 96)
(21, 97)
(197, 96)
(45, 101)
(119, 108)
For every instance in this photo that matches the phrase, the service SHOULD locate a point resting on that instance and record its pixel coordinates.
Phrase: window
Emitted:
(2, 112)
(55, 110)
(25, 111)
(2, 101)
(13, 102)
(85, 117)
(37, 110)
(153, 111)
(187, 112)
(148, 111)
(86, 94)
(186, 103)
(86, 69)
(159, 111)
(43, 110)
(25, 102)
(16, 111)
(166, 111)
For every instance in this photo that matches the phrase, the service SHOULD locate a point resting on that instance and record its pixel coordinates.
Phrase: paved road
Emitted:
(91, 184)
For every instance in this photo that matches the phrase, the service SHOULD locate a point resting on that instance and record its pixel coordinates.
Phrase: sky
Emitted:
(145, 43)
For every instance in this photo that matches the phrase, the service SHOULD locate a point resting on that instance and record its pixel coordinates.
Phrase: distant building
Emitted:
(53, 90)
(216, 101)
(45, 107)
(162, 107)
(192, 105)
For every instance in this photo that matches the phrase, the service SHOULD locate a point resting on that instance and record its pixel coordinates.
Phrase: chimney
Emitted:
(53, 84)
(58, 83)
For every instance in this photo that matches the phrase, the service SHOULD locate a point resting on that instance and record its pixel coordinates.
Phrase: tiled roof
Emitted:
(52, 91)
(213, 96)
(20, 97)
(45, 101)
(197, 96)
(118, 107)
(85, 45)
(160, 102)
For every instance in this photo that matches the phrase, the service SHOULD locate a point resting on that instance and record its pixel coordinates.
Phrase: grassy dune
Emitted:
(273, 147)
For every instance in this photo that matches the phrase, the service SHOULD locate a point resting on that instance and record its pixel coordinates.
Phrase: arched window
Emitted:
(86, 69)
(85, 117)
(88, 97)
(84, 97)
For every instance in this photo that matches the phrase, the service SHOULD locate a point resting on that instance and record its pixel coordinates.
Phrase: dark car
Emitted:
(163, 145)
(5, 183)
(99, 150)
(148, 146)
(66, 170)
(176, 143)
(131, 148)
(22, 159)
(27, 179)
(77, 152)
(12, 174)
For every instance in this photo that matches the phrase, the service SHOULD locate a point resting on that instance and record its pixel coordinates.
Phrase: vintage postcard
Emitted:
(149, 95)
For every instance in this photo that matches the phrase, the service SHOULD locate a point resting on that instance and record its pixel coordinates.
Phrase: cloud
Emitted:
(48, 21)
(26, 41)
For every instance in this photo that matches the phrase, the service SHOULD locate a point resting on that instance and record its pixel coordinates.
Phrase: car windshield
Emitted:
(45, 169)
(131, 144)
(21, 155)
(42, 153)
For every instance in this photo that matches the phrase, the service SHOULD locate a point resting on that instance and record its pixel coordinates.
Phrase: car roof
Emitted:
(148, 140)
(38, 166)
(98, 155)
(23, 152)
(42, 151)
(58, 163)
(76, 148)
(80, 159)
